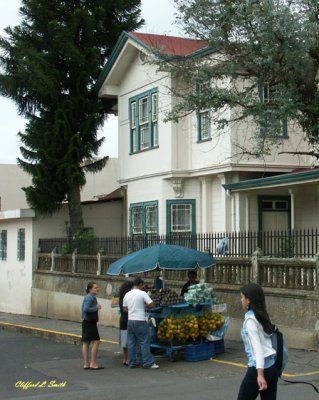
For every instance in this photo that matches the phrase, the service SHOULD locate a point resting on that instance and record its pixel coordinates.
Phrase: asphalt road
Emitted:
(55, 369)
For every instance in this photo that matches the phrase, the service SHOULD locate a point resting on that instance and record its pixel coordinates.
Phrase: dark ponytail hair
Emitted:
(256, 296)
(89, 287)
(125, 288)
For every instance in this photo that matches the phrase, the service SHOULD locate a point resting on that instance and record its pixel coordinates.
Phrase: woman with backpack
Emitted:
(262, 374)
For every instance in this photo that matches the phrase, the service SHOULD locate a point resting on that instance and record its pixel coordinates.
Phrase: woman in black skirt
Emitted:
(90, 334)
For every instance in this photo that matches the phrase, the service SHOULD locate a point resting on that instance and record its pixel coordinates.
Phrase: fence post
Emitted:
(74, 261)
(254, 264)
(36, 266)
(53, 253)
(317, 272)
(99, 261)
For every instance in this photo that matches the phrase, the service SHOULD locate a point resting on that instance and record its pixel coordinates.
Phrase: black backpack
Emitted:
(279, 344)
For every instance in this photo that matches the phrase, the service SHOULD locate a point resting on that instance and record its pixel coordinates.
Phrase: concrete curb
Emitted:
(57, 336)
(62, 337)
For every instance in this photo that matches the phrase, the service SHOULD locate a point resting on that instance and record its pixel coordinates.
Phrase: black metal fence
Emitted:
(296, 243)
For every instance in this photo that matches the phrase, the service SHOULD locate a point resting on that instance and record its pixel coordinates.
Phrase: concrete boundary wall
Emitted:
(59, 295)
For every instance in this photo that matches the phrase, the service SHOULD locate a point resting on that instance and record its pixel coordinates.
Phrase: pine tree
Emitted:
(50, 64)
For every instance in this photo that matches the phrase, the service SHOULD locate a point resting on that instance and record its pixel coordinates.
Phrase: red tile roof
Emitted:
(170, 44)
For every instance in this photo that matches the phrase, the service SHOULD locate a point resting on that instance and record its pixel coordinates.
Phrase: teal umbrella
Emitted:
(161, 256)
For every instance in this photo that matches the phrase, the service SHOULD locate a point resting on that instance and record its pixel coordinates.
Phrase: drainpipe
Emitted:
(233, 204)
(204, 205)
(292, 212)
(124, 211)
(247, 213)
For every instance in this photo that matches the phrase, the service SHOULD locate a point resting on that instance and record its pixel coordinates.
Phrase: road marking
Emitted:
(285, 374)
(229, 363)
(31, 328)
(74, 335)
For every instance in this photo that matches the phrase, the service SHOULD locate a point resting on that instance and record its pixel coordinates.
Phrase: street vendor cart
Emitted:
(180, 325)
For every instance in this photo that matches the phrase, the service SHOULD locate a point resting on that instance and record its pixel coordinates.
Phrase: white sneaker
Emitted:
(154, 366)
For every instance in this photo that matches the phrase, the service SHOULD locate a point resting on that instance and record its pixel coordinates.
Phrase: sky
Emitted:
(159, 17)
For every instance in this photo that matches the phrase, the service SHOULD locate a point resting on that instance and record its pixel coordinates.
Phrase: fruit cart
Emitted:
(163, 257)
(173, 318)
(184, 326)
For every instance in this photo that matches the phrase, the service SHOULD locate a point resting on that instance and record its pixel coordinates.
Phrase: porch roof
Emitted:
(297, 177)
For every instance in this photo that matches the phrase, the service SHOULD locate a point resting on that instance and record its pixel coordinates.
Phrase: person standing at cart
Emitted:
(192, 280)
(125, 288)
(262, 375)
(90, 333)
(134, 304)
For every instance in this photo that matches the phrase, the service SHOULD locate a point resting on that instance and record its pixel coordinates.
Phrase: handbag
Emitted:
(92, 316)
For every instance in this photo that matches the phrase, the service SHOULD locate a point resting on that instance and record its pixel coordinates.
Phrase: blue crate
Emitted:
(219, 346)
(199, 352)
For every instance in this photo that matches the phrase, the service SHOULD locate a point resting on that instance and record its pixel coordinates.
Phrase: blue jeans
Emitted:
(138, 333)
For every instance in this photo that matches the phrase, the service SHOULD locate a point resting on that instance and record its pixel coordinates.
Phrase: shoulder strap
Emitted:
(303, 382)
(279, 350)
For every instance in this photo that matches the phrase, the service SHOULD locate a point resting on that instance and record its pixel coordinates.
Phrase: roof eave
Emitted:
(119, 46)
(274, 181)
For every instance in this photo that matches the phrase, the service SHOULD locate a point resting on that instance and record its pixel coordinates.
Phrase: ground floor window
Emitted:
(181, 219)
(21, 244)
(144, 218)
(3, 245)
(274, 213)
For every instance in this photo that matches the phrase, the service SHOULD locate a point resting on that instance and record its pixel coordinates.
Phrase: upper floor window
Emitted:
(267, 95)
(3, 245)
(144, 121)
(21, 244)
(204, 115)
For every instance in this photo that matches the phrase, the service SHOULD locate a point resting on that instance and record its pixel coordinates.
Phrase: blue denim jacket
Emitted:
(269, 361)
(89, 305)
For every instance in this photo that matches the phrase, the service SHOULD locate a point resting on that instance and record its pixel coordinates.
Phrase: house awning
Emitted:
(295, 178)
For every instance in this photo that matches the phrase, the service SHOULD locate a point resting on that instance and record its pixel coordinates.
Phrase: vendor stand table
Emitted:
(176, 311)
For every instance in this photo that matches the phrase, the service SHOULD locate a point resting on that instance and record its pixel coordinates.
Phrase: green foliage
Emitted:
(251, 46)
(50, 63)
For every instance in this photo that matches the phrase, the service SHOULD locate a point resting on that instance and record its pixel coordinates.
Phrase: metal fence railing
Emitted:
(291, 243)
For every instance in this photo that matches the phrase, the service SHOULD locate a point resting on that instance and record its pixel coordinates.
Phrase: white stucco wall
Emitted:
(16, 276)
(12, 179)
(105, 218)
(103, 182)
(141, 77)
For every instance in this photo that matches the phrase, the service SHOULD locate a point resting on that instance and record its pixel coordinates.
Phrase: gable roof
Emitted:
(168, 45)
(294, 177)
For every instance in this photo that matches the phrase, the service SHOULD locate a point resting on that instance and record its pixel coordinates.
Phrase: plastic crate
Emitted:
(199, 352)
(219, 346)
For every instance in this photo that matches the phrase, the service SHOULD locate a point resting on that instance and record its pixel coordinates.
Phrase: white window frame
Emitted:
(187, 226)
(144, 121)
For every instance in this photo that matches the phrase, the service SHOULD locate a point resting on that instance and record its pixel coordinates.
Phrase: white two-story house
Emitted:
(187, 177)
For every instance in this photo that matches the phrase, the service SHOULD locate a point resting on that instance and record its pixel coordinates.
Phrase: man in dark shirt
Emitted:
(192, 280)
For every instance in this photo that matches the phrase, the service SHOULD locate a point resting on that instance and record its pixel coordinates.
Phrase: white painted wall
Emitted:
(103, 182)
(16, 276)
(139, 78)
(105, 218)
(12, 179)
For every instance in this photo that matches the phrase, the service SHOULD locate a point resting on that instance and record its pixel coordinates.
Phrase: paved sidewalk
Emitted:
(303, 365)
